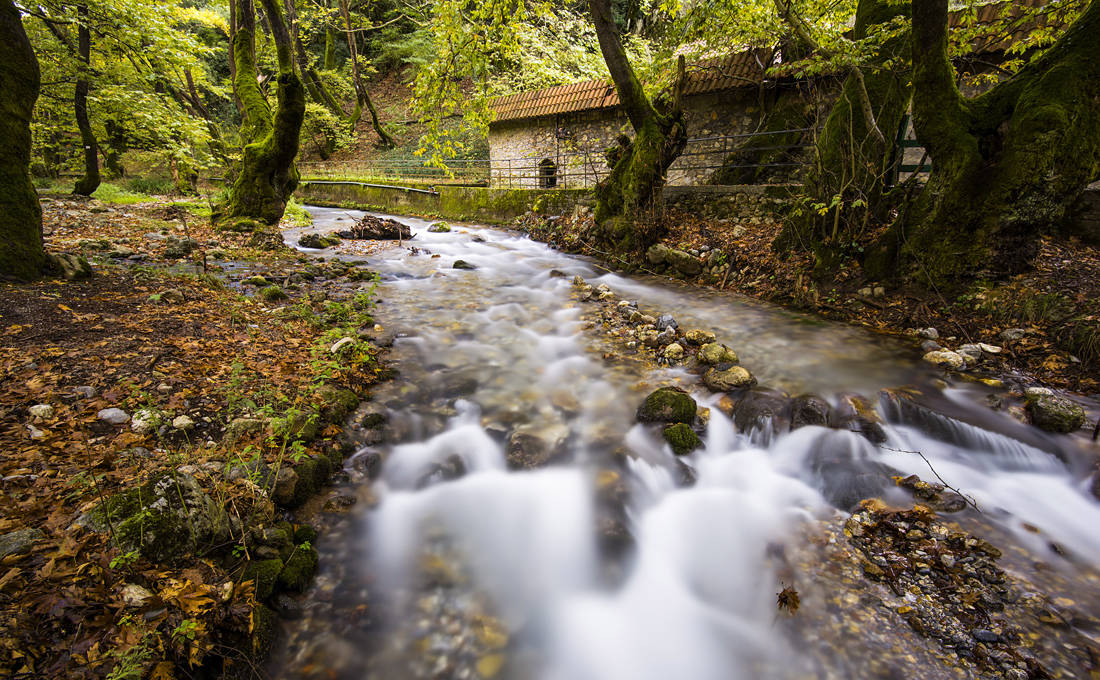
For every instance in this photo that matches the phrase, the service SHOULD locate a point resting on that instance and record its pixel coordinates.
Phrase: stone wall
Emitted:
(575, 143)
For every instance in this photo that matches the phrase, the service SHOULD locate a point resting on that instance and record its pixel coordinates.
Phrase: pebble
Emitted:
(183, 423)
(946, 359)
(84, 391)
(929, 333)
(666, 321)
(41, 411)
(114, 416)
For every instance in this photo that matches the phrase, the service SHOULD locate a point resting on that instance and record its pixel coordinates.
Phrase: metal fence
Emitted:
(567, 169)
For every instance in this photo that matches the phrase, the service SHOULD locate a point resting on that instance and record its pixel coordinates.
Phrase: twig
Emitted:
(969, 501)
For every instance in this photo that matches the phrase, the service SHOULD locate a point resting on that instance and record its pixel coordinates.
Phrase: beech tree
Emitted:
(1006, 165)
(639, 165)
(22, 255)
(266, 176)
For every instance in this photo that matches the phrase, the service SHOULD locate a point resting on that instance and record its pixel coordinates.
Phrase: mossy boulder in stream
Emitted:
(167, 519)
(712, 353)
(667, 405)
(1056, 414)
(264, 573)
(336, 402)
(682, 439)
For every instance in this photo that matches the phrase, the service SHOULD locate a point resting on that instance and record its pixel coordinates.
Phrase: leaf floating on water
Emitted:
(788, 600)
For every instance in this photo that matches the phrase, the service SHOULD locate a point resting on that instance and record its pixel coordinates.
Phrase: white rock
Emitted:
(989, 349)
(340, 344)
(42, 411)
(114, 416)
(84, 391)
(946, 359)
(182, 423)
(1011, 334)
(973, 353)
(929, 333)
(1039, 392)
(143, 421)
(136, 596)
(35, 432)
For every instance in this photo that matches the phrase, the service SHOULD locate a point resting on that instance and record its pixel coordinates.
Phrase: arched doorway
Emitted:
(548, 174)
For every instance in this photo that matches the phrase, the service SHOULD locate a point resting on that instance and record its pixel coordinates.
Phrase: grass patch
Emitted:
(297, 215)
(112, 193)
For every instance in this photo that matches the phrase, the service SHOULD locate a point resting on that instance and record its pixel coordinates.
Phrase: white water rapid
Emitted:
(604, 564)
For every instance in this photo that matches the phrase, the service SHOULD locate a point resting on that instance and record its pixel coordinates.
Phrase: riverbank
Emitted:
(163, 423)
(1047, 322)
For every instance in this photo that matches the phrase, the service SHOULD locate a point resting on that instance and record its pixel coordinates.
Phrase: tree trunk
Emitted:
(22, 255)
(362, 96)
(112, 152)
(1006, 165)
(90, 181)
(330, 49)
(855, 151)
(638, 166)
(267, 176)
(768, 155)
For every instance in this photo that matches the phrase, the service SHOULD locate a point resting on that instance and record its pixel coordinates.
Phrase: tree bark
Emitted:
(267, 177)
(855, 151)
(362, 96)
(639, 165)
(22, 255)
(1006, 165)
(87, 184)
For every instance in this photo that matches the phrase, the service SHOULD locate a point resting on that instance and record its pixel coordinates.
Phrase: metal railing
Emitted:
(566, 169)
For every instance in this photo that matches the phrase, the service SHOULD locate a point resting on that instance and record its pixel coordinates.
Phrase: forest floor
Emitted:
(1056, 305)
(153, 367)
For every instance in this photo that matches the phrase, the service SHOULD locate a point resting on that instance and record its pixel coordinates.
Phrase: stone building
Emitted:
(556, 137)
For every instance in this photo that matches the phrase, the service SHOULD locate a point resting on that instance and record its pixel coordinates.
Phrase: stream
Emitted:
(619, 560)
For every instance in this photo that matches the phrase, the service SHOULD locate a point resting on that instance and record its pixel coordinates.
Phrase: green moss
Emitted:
(667, 405)
(22, 255)
(305, 534)
(1055, 414)
(265, 574)
(681, 438)
(265, 626)
(273, 294)
(299, 569)
(336, 402)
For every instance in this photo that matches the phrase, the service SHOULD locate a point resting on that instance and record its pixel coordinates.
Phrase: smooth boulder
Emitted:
(667, 405)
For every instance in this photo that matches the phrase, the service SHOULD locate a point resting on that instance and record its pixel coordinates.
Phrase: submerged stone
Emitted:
(724, 380)
(1054, 413)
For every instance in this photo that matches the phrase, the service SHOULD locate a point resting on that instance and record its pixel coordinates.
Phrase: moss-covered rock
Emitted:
(69, 267)
(713, 353)
(723, 380)
(265, 574)
(299, 569)
(1053, 413)
(336, 402)
(300, 425)
(167, 519)
(667, 405)
(265, 625)
(305, 534)
(682, 439)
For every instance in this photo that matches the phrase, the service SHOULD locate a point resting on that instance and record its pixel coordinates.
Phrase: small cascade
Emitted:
(524, 525)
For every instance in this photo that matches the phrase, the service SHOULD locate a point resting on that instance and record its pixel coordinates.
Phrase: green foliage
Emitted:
(153, 186)
(112, 193)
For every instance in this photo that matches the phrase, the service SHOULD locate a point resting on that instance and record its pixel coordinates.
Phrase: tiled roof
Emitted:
(715, 75)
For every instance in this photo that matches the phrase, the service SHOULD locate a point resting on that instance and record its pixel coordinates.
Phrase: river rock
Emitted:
(136, 596)
(946, 359)
(144, 421)
(723, 380)
(41, 411)
(318, 241)
(463, 264)
(183, 423)
(1012, 334)
(990, 349)
(18, 542)
(971, 352)
(176, 248)
(70, 267)
(684, 262)
(666, 337)
(929, 334)
(241, 427)
(530, 446)
(855, 413)
(809, 409)
(930, 346)
(167, 519)
(697, 336)
(666, 321)
(1055, 413)
(657, 254)
(439, 228)
(681, 438)
(667, 405)
(762, 406)
(715, 353)
(673, 352)
(114, 416)
(370, 227)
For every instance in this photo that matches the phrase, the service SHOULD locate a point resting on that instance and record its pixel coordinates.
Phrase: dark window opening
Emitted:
(548, 174)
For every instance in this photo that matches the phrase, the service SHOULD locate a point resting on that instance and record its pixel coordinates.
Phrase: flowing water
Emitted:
(605, 565)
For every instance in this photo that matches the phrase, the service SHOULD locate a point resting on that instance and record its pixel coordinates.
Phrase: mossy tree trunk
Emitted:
(362, 95)
(116, 145)
(266, 177)
(87, 184)
(1006, 165)
(855, 151)
(773, 151)
(638, 166)
(22, 255)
